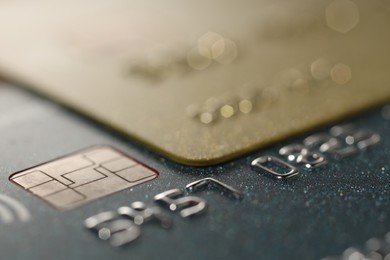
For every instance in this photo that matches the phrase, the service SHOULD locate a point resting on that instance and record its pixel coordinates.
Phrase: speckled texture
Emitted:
(321, 213)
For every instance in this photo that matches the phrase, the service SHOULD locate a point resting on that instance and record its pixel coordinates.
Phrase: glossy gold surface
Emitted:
(202, 82)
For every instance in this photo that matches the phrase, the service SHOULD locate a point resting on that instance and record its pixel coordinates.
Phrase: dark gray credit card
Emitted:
(309, 197)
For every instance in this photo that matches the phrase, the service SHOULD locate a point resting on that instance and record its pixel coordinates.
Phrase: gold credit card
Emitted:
(202, 81)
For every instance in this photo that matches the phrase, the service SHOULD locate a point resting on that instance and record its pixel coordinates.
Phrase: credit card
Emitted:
(340, 208)
(202, 83)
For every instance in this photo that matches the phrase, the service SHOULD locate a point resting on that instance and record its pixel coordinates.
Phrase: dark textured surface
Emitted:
(320, 213)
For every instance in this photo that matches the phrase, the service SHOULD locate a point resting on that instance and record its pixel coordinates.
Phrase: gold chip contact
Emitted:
(77, 179)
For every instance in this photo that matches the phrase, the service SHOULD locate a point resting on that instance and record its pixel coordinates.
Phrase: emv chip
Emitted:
(79, 178)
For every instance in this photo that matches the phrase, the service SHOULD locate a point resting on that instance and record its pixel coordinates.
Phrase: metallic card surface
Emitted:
(77, 179)
(202, 91)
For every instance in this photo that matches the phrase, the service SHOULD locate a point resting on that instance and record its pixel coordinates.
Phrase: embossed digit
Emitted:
(267, 162)
(109, 227)
(300, 154)
(189, 205)
(140, 214)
